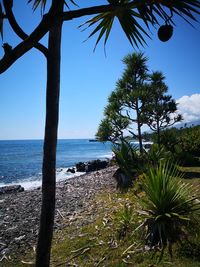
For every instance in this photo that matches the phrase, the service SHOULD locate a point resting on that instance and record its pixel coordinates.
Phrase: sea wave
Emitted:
(106, 156)
(35, 182)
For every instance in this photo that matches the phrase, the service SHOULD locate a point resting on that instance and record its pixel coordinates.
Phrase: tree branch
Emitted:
(18, 30)
(48, 20)
(68, 15)
(46, 23)
(9, 58)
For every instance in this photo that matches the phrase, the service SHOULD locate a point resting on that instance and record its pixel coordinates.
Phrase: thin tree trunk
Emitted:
(50, 143)
(139, 128)
(158, 134)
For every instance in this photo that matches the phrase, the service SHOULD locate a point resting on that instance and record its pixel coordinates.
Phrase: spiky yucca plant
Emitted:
(170, 204)
(129, 163)
(126, 157)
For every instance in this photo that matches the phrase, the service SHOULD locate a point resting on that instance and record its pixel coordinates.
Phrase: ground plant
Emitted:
(125, 220)
(129, 162)
(171, 206)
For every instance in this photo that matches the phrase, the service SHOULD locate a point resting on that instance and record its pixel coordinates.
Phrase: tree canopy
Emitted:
(139, 98)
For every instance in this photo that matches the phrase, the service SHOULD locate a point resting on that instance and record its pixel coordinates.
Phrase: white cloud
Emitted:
(189, 107)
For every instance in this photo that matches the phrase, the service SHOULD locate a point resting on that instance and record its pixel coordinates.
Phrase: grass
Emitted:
(92, 238)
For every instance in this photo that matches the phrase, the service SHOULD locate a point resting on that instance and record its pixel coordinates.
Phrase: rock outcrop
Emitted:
(93, 165)
(11, 189)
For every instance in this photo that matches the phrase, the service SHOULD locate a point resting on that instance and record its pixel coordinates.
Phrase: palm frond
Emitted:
(150, 12)
(36, 3)
(126, 17)
(43, 3)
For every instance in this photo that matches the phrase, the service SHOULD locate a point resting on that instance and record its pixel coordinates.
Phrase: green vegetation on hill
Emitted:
(183, 143)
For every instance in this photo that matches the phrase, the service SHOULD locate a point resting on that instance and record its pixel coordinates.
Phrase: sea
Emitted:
(21, 161)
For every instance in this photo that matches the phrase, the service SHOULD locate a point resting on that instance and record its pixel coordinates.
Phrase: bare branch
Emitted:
(47, 21)
(18, 30)
(9, 58)
(69, 15)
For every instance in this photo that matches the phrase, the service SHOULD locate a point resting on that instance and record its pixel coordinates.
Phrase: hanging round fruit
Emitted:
(165, 32)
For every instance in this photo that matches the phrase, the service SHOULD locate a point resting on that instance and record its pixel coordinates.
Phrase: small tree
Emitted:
(125, 104)
(160, 110)
(132, 86)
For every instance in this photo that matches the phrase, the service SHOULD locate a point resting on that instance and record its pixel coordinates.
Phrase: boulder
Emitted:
(80, 167)
(96, 165)
(72, 170)
(11, 189)
(93, 165)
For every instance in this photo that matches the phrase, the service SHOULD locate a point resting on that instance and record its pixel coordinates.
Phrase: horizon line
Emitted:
(40, 139)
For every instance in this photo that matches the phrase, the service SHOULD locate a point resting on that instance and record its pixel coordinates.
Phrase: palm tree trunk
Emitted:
(49, 148)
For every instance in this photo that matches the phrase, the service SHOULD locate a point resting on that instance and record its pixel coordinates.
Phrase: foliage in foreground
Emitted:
(170, 205)
(129, 163)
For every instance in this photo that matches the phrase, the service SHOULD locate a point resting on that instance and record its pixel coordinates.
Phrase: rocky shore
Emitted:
(19, 212)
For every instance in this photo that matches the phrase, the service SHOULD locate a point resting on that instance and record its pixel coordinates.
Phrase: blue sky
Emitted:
(87, 78)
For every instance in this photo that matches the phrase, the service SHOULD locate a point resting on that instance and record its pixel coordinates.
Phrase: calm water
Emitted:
(21, 161)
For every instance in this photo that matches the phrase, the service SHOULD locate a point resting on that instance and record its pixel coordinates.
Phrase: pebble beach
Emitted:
(19, 212)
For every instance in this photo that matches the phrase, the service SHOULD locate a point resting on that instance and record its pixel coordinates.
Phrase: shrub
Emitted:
(184, 143)
(156, 154)
(170, 205)
(129, 163)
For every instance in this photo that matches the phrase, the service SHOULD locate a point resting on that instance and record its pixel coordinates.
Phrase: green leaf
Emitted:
(129, 13)
(36, 3)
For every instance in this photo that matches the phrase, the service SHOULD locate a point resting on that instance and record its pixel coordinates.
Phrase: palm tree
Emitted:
(130, 15)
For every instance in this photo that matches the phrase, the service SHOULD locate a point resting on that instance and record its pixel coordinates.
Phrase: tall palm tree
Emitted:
(130, 14)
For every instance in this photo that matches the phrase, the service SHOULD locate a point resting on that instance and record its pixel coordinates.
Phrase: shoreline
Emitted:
(19, 217)
(62, 174)
(30, 185)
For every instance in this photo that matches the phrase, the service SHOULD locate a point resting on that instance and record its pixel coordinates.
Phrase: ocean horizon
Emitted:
(21, 160)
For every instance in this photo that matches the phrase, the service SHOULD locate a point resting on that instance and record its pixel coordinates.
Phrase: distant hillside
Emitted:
(187, 124)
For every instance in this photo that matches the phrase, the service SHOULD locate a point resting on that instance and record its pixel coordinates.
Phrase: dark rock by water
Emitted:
(80, 167)
(11, 189)
(93, 165)
(72, 170)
